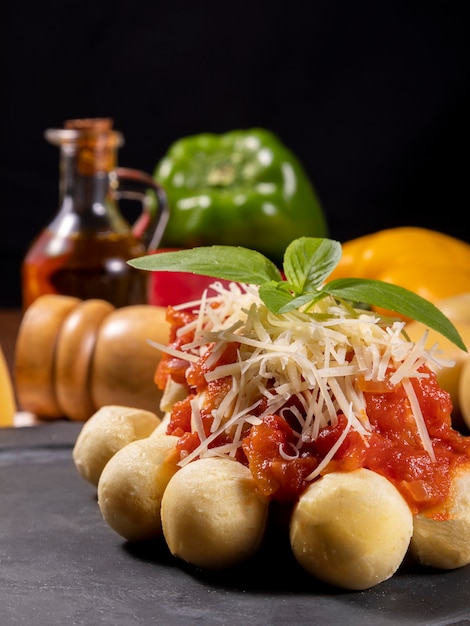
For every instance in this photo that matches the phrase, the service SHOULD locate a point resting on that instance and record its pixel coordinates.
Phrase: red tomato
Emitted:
(172, 288)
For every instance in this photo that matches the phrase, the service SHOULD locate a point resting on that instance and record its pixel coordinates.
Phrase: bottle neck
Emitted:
(82, 191)
(88, 158)
(85, 192)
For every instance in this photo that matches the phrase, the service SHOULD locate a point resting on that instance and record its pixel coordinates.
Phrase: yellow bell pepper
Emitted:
(430, 263)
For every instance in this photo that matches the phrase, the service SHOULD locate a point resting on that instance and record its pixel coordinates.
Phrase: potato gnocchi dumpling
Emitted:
(107, 431)
(213, 515)
(443, 541)
(132, 484)
(351, 529)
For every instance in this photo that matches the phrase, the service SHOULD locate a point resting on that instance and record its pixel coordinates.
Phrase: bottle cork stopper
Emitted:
(97, 143)
(91, 124)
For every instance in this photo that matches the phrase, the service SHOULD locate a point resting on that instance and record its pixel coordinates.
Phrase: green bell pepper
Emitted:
(242, 188)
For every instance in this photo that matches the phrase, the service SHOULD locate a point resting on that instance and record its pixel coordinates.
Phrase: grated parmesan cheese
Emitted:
(315, 357)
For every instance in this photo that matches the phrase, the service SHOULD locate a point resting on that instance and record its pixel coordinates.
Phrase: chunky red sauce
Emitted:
(393, 449)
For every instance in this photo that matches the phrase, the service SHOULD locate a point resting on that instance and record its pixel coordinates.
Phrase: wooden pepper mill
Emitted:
(74, 356)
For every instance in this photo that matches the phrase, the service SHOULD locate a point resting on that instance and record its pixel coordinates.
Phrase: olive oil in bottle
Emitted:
(84, 251)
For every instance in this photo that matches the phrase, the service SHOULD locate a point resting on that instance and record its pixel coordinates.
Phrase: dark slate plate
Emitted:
(61, 564)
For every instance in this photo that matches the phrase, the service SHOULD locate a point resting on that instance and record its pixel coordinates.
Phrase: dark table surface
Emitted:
(60, 563)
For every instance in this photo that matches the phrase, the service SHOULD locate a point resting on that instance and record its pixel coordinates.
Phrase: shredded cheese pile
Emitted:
(314, 356)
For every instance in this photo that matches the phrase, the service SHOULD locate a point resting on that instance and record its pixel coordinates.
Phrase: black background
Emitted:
(372, 97)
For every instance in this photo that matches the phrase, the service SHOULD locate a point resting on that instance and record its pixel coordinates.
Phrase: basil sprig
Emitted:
(308, 262)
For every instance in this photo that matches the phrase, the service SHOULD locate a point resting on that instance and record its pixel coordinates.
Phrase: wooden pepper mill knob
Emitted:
(74, 356)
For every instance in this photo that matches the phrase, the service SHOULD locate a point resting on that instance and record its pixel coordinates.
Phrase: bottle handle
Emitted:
(132, 184)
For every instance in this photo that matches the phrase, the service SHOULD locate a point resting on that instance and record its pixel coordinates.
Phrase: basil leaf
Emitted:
(227, 262)
(299, 301)
(308, 261)
(397, 299)
(275, 297)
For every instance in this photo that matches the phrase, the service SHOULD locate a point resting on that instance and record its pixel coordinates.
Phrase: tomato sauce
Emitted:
(393, 448)
(169, 364)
